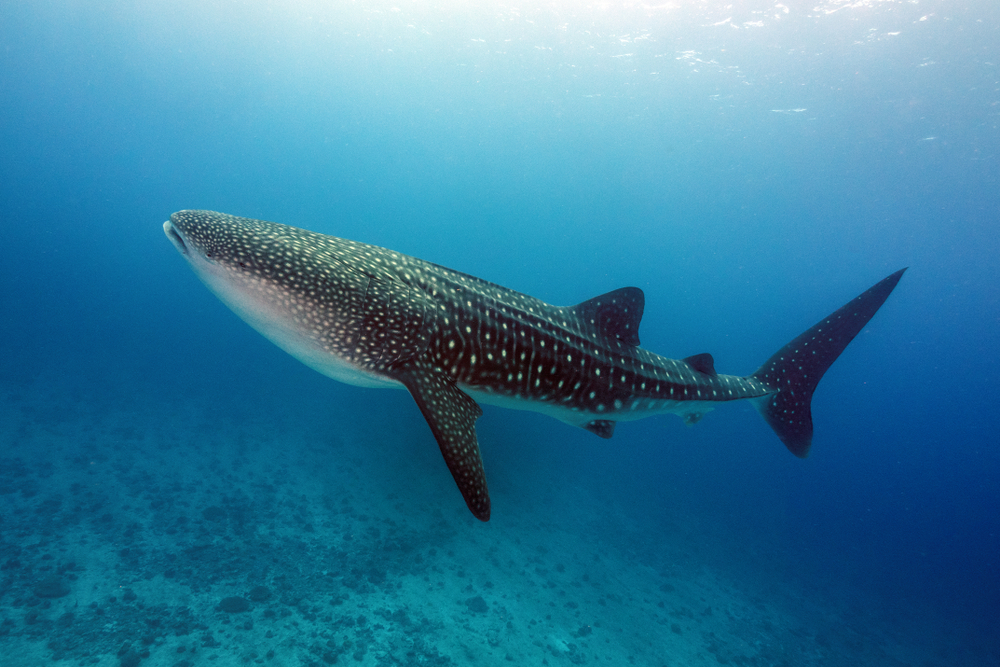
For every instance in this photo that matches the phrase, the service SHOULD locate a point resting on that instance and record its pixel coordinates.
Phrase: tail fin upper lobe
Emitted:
(796, 369)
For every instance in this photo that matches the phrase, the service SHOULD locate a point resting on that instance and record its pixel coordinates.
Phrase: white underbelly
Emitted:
(262, 311)
(630, 411)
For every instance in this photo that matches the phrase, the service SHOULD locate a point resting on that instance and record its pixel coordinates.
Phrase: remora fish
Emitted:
(372, 317)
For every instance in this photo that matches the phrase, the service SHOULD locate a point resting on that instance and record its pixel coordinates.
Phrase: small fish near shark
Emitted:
(373, 317)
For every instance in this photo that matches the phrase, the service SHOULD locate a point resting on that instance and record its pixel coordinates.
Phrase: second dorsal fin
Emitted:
(703, 363)
(616, 314)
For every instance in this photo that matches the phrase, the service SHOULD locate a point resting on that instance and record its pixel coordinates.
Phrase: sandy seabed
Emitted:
(161, 532)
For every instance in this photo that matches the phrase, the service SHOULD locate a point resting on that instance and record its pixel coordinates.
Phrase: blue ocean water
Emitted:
(750, 166)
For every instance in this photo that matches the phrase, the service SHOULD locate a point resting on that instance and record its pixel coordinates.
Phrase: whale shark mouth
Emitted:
(175, 237)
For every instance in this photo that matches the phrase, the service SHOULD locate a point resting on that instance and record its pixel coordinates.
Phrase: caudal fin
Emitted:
(796, 369)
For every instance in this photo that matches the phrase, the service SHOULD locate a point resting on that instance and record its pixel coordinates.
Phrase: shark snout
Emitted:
(175, 237)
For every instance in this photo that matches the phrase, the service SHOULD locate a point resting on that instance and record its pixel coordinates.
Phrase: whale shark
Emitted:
(373, 317)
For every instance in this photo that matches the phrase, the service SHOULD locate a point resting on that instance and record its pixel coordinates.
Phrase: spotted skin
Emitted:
(452, 415)
(796, 369)
(374, 317)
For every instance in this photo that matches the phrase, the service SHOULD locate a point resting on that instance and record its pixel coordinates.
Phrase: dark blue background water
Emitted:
(750, 175)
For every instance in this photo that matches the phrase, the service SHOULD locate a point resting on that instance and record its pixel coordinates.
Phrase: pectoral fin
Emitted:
(452, 415)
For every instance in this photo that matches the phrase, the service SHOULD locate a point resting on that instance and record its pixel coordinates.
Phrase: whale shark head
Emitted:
(290, 284)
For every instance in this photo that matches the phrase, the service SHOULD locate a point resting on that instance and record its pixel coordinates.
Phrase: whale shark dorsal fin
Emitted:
(452, 415)
(616, 314)
(703, 363)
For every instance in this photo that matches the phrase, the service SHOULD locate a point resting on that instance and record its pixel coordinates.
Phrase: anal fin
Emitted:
(693, 418)
(604, 428)
(452, 415)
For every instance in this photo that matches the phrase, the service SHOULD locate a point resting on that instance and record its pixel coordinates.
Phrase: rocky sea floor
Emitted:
(138, 532)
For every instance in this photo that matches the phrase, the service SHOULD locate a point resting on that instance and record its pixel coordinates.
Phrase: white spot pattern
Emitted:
(387, 314)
